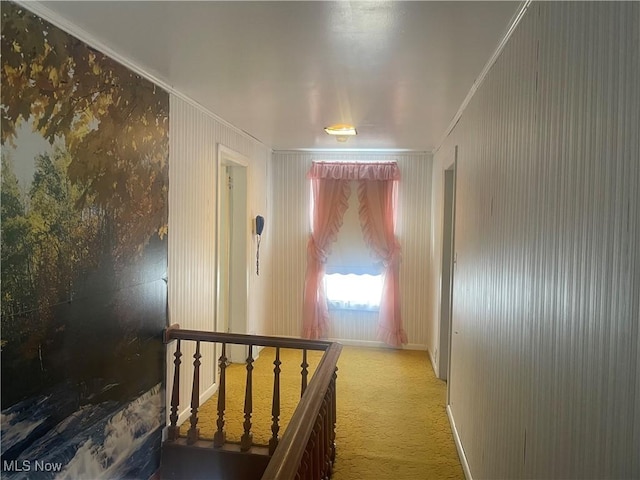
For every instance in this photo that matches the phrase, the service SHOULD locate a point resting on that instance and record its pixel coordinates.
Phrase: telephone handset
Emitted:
(259, 225)
(259, 228)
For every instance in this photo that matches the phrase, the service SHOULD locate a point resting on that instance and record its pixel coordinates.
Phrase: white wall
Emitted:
(545, 368)
(291, 232)
(194, 137)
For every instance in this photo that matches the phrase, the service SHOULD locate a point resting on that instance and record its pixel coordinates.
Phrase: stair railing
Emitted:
(307, 447)
(307, 450)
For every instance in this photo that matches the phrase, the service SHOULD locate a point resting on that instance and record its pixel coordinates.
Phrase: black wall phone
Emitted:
(259, 225)
(259, 228)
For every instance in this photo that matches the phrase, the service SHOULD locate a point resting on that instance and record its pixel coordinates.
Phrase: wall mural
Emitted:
(84, 258)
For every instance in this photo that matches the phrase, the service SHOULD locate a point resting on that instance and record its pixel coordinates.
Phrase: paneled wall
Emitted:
(291, 195)
(194, 138)
(545, 366)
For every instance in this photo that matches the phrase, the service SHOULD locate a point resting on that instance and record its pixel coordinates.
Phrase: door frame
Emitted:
(238, 292)
(448, 270)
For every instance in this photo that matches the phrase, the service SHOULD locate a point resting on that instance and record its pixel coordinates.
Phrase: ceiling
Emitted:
(283, 70)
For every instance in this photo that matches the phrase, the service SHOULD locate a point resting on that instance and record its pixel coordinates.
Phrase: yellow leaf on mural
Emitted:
(37, 109)
(53, 76)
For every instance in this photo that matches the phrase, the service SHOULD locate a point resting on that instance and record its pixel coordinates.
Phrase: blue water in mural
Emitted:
(97, 403)
(43, 439)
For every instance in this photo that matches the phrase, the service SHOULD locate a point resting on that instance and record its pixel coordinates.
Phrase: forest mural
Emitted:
(83, 258)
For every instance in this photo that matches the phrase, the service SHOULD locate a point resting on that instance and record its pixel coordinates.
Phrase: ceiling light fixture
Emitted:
(341, 130)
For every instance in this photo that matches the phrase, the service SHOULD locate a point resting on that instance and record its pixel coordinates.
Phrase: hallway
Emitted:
(392, 422)
(391, 425)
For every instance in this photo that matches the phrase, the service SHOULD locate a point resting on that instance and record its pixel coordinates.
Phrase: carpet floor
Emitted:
(391, 418)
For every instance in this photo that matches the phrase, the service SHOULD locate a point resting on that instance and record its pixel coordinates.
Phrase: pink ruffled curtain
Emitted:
(377, 207)
(376, 193)
(330, 197)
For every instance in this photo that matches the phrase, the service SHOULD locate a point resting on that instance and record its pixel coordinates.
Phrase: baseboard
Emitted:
(358, 343)
(375, 344)
(433, 363)
(459, 447)
(184, 416)
(364, 343)
(204, 396)
(208, 393)
(416, 346)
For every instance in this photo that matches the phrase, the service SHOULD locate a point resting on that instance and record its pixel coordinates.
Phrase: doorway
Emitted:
(448, 268)
(232, 241)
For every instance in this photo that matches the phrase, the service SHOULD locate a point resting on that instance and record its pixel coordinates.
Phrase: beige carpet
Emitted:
(391, 420)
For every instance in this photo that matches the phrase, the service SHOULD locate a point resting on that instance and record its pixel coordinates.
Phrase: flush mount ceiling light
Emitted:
(341, 131)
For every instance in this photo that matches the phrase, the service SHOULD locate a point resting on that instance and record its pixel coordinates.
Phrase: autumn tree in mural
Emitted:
(114, 126)
(94, 205)
(46, 241)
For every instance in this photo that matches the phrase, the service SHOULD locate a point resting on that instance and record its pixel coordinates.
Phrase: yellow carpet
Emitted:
(391, 421)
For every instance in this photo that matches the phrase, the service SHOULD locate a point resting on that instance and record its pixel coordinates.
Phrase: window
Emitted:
(376, 197)
(353, 277)
(353, 292)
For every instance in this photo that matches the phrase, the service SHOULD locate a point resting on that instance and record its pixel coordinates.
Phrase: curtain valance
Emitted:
(354, 171)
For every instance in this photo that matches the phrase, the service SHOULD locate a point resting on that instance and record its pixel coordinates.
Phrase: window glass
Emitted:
(353, 292)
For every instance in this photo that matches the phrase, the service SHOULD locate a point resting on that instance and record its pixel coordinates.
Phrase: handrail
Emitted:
(307, 448)
(287, 457)
(174, 332)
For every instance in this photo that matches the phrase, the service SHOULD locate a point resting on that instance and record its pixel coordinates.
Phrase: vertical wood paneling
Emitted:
(291, 203)
(414, 233)
(192, 182)
(545, 367)
(291, 223)
(194, 136)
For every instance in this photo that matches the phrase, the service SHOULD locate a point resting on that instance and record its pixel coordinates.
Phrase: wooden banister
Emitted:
(174, 332)
(287, 458)
(306, 450)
